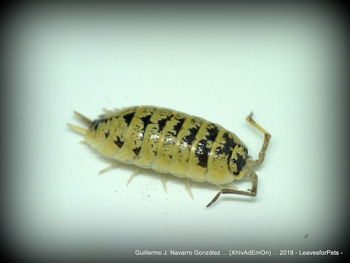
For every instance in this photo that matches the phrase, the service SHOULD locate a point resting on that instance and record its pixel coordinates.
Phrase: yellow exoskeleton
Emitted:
(173, 142)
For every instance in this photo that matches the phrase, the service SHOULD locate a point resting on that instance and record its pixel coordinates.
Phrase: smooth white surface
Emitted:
(282, 66)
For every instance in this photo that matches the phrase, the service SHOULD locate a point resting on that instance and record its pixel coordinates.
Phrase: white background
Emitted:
(217, 64)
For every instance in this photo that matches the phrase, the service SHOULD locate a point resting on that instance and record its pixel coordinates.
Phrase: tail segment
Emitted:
(84, 119)
(78, 129)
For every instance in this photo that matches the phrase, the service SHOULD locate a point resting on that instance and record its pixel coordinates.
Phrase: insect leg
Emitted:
(188, 187)
(267, 138)
(163, 177)
(113, 165)
(134, 173)
(253, 177)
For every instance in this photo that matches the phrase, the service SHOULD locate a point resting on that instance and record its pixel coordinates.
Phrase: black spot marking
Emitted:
(146, 120)
(96, 123)
(240, 162)
(213, 131)
(118, 142)
(178, 126)
(202, 150)
(106, 134)
(190, 138)
(136, 150)
(228, 147)
(163, 122)
(202, 153)
(128, 117)
(229, 144)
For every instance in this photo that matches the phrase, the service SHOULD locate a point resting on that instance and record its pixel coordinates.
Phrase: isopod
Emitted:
(169, 141)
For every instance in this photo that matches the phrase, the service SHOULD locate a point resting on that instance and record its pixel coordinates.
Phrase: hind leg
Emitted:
(135, 172)
(113, 165)
(188, 188)
(163, 178)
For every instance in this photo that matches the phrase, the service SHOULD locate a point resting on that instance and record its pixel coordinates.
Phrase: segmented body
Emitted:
(169, 141)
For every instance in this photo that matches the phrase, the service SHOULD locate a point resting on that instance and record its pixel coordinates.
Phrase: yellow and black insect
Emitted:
(173, 142)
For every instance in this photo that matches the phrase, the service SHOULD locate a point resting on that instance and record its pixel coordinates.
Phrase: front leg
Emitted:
(249, 174)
